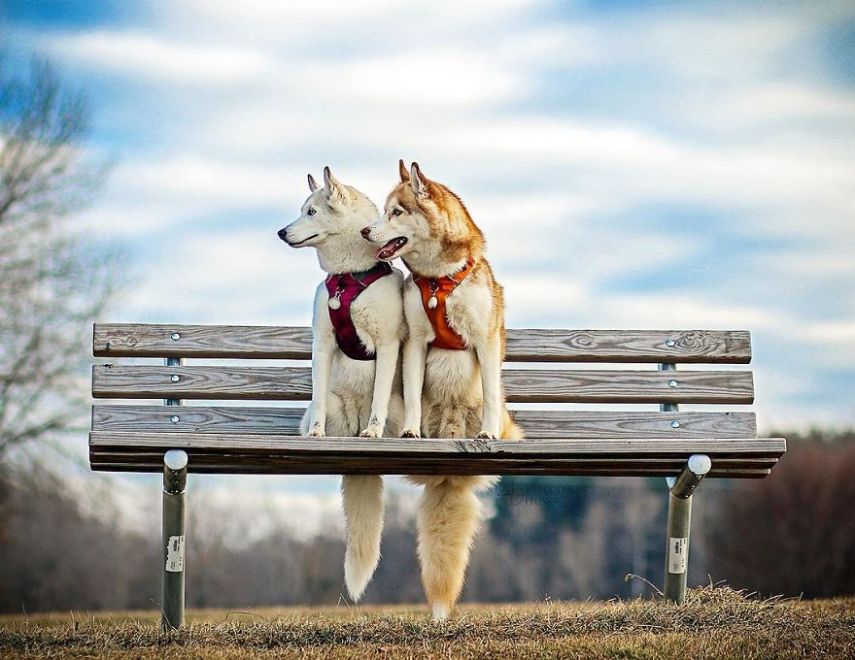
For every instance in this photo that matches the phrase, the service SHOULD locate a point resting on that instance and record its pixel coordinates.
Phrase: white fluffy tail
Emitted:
(448, 518)
(362, 499)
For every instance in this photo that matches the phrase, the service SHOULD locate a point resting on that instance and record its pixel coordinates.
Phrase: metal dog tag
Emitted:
(432, 303)
(334, 303)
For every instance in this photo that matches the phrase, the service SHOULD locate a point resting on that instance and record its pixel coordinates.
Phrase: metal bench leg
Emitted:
(679, 524)
(172, 566)
(172, 585)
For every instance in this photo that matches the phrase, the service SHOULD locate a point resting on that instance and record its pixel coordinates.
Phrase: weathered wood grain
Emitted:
(557, 424)
(426, 464)
(447, 449)
(678, 346)
(549, 472)
(524, 345)
(197, 419)
(232, 341)
(521, 385)
(264, 454)
(535, 423)
(202, 382)
(263, 464)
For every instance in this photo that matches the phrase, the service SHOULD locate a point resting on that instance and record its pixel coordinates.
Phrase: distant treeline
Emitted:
(549, 538)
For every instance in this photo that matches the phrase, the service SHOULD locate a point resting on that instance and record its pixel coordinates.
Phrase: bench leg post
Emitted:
(679, 525)
(172, 584)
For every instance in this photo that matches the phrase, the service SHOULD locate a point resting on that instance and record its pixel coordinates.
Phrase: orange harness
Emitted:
(435, 291)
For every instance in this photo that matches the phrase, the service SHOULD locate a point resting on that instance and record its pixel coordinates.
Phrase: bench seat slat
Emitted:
(555, 471)
(521, 385)
(536, 423)
(296, 455)
(260, 464)
(426, 447)
(421, 465)
(523, 345)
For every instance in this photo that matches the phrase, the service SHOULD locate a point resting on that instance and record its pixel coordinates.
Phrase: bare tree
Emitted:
(792, 533)
(53, 282)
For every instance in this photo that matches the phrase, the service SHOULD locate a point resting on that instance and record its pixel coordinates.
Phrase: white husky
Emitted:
(452, 361)
(357, 330)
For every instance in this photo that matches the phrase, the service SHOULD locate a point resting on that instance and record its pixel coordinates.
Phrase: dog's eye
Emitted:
(311, 212)
(397, 212)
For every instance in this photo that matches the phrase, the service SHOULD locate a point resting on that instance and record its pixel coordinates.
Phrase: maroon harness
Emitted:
(345, 288)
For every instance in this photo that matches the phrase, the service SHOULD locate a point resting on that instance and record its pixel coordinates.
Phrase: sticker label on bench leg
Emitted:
(175, 554)
(678, 555)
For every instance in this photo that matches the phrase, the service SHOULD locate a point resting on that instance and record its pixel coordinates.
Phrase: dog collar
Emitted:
(435, 291)
(343, 289)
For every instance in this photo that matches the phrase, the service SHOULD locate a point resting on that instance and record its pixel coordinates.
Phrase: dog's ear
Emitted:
(335, 190)
(402, 171)
(418, 181)
(313, 185)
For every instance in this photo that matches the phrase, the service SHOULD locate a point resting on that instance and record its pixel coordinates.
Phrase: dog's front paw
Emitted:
(371, 432)
(316, 431)
(410, 433)
(486, 435)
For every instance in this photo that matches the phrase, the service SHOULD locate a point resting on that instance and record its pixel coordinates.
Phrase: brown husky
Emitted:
(452, 361)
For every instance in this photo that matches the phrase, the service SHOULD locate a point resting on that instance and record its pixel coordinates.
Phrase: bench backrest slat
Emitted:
(523, 345)
(521, 385)
(547, 424)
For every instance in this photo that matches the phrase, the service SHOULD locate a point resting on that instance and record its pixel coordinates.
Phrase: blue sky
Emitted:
(633, 165)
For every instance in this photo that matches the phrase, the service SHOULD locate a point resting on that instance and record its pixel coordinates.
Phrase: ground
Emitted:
(714, 623)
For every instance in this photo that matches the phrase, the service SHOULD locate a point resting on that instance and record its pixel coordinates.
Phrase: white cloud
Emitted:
(427, 79)
(151, 56)
(525, 226)
(246, 276)
(772, 104)
(338, 21)
(834, 330)
(542, 296)
(143, 222)
(639, 165)
(185, 176)
(738, 44)
(682, 310)
(430, 99)
(831, 260)
(612, 164)
(426, 76)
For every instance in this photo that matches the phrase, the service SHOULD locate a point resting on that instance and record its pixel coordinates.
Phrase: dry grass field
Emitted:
(716, 622)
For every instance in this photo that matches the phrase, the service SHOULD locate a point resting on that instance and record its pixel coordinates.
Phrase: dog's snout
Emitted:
(282, 233)
(366, 232)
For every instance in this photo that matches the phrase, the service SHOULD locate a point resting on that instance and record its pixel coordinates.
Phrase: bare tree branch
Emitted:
(53, 281)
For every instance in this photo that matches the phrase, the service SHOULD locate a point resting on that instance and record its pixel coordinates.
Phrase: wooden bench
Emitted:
(683, 446)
